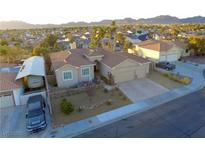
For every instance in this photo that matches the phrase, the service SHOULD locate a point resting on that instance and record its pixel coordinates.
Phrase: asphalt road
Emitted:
(183, 117)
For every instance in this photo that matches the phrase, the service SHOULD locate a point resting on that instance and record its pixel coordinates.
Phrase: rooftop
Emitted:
(78, 57)
(160, 45)
(32, 66)
(7, 81)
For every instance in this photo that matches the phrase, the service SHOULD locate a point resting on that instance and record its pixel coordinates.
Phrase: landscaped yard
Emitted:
(162, 80)
(92, 104)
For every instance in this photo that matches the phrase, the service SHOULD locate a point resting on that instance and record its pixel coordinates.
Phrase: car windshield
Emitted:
(34, 105)
(35, 113)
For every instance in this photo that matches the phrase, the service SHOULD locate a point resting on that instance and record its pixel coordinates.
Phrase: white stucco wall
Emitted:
(17, 93)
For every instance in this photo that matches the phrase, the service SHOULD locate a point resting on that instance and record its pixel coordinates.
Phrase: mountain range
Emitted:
(162, 19)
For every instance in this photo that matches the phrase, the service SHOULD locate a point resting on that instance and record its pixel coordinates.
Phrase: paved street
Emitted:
(183, 117)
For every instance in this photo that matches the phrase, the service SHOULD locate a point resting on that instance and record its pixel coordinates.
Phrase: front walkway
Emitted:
(100, 120)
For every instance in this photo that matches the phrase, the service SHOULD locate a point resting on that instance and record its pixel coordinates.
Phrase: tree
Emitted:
(12, 53)
(37, 51)
(49, 42)
(127, 45)
(197, 43)
(113, 24)
(3, 42)
(120, 38)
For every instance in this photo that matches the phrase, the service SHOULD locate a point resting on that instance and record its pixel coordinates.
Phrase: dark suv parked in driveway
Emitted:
(35, 114)
(166, 66)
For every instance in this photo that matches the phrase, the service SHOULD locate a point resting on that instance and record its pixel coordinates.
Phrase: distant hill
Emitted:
(163, 19)
(15, 25)
(196, 19)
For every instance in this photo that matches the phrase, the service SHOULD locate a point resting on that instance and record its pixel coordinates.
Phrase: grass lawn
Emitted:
(162, 80)
(99, 98)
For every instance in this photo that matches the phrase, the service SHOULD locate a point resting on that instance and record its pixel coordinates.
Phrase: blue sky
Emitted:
(62, 11)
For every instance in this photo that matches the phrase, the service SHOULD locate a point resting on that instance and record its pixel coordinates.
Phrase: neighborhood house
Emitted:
(18, 84)
(79, 65)
(161, 50)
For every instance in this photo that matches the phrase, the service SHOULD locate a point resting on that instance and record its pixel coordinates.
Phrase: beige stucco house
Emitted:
(77, 65)
(161, 50)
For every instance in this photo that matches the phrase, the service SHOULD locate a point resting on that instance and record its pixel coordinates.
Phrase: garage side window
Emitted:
(85, 72)
(68, 75)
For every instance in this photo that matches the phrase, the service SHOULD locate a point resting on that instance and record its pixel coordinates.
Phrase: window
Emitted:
(85, 72)
(68, 75)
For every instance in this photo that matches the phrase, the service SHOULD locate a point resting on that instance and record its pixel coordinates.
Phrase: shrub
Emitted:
(166, 74)
(109, 102)
(177, 78)
(116, 88)
(105, 90)
(66, 106)
(124, 98)
(104, 79)
(186, 80)
(79, 109)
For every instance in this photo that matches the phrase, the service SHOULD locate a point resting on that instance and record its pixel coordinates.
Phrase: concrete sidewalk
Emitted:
(100, 120)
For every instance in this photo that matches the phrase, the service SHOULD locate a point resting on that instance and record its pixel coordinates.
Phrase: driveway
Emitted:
(13, 122)
(140, 89)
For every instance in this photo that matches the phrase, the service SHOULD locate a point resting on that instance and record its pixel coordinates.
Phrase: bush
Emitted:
(105, 90)
(116, 88)
(104, 79)
(66, 106)
(124, 98)
(177, 78)
(79, 109)
(186, 80)
(109, 102)
(120, 94)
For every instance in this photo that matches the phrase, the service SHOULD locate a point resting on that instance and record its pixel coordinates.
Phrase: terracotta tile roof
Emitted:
(93, 52)
(112, 59)
(76, 57)
(58, 59)
(159, 45)
(73, 57)
(7, 81)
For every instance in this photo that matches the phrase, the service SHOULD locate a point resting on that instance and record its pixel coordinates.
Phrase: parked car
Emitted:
(35, 115)
(166, 66)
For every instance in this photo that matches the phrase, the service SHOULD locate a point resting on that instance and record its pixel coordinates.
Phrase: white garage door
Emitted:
(6, 100)
(169, 58)
(124, 76)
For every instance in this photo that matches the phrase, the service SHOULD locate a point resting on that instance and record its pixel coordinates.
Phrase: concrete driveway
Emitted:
(140, 89)
(13, 122)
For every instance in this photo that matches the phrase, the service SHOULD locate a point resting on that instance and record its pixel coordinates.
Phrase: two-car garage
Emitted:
(130, 70)
(169, 57)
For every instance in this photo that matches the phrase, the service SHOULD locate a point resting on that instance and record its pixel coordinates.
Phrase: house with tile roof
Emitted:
(74, 66)
(10, 89)
(161, 50)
